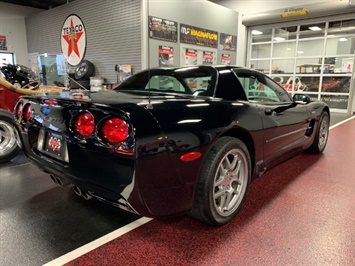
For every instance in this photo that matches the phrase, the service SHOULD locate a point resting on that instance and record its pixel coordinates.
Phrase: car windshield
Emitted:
(187, 80)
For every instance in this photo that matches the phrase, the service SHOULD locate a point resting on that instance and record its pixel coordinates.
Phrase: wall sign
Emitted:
(293, 12)
(207, 58)
(73, 40)
(190, 57)
(198, 36)
(226, 59)
(3, 42)
(228, 42)
(166, 55)
(162, 29)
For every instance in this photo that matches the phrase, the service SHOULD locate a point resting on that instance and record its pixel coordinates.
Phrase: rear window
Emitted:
(189, 80)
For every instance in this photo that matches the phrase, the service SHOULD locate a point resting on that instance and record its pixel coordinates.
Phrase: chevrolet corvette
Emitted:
(171, 141)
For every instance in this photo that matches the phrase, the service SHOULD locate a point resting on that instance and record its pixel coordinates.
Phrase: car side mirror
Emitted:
(301, 98)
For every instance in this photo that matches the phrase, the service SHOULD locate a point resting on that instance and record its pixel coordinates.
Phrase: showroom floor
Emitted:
(299, 213)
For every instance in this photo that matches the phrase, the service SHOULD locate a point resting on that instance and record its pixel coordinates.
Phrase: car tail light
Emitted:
(84, 125)
(19, 110)
(114, 130)
(27, 112)
(51, 102)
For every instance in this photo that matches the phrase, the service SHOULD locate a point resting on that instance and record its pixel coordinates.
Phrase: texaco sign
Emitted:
(73, 40)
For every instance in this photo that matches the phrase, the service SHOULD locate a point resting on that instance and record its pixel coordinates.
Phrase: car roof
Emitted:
(218, 67)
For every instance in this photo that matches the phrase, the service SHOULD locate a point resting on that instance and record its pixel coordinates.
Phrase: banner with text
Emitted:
(162, 29)
(198, 36)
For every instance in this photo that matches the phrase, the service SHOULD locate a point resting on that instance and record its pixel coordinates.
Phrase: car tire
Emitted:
(321, 136)
(8, 140)
(84, 70)
(223, 182)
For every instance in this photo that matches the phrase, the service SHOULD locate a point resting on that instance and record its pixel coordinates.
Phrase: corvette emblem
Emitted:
(45, 110)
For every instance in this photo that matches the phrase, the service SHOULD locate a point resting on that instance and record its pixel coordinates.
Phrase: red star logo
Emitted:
(72, 39)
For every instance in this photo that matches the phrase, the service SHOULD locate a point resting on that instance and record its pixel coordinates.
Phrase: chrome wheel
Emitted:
(323, 133)
(320, 135)
(7, 138)
(230, 182)
(223, 182)
(9, 146)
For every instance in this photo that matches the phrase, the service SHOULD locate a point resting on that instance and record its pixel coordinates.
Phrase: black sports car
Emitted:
(170, 141)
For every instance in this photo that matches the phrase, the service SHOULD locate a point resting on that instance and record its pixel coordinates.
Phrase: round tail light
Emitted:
(27, 112)
(19, 110)
(84, 125)
(114, 130)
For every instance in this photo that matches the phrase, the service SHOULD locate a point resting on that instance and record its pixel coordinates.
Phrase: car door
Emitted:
(284, 122)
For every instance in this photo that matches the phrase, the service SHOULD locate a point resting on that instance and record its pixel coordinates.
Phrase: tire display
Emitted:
(84, 70)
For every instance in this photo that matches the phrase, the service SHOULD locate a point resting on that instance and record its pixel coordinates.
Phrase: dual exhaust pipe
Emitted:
(82, 193)
(59, 181)
(63, 182)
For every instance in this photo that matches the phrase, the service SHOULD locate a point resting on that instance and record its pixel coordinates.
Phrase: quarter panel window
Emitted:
(259, 87)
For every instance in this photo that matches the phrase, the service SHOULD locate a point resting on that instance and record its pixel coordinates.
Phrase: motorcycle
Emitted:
(18, 80)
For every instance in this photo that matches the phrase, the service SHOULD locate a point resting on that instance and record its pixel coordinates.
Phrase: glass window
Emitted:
(314, 58)
(165, 83)
(341, 45)
(285, 33)
(342, 65)
(310, 48)
(261, 65)
(286, 82)
(312, 30)
(342, 27)
(180, 80)
(261, 35)
(198, 84)
(261, 51)
(309, 66)
(282, 66)
(336, 101)
(52, 69)
(259, 87)
(307, 83)
(284, 49)
(336, 84)
(314, 97)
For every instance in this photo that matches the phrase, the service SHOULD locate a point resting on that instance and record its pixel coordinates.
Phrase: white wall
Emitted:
(12, 25)
(252, 7)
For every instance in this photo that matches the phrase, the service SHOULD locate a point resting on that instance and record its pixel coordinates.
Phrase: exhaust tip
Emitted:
(54, 179)
(59, 181)
(86, 196)
(77, 191)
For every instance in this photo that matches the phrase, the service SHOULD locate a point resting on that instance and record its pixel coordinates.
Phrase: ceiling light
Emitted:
(300, 52)
(288, 49)
(279, 39)
(256, 32)
(315, 28)
(343, 40)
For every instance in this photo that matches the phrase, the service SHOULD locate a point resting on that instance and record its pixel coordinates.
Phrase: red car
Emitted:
(9, 146)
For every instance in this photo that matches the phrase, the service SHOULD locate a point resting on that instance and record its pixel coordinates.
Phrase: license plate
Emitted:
(54, 144)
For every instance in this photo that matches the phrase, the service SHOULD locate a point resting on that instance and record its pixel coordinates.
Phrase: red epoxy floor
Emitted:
(299, 213)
